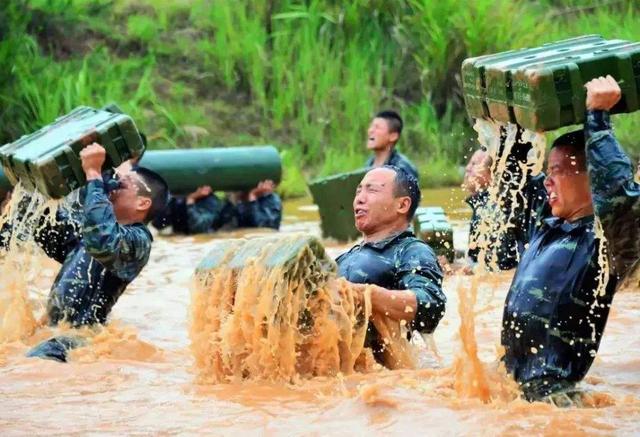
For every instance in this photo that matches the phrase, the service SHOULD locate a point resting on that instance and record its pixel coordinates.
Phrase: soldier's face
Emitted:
(130, 199)
(375, 207)
(477, 174)
(567, 186)
(379, 136)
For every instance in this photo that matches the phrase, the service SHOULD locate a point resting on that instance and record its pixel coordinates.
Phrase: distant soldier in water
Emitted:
(403, 269)
(383, 135)
(102, 247)
(557, 307)
(512, 241)
(202, 211)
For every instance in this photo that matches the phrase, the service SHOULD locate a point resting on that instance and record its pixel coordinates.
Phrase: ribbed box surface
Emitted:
(543, 88)
(48, 160)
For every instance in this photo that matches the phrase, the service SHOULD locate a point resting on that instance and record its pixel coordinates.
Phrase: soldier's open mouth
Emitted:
(360, 212)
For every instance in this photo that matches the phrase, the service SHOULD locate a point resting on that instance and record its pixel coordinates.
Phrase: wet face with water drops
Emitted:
(131, 199)
(477, 174)
(567, 185)
(376, 206)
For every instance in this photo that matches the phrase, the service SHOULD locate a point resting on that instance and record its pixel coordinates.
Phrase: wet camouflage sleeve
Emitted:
(419, 271)
(204, 215)
(615, 193)
(120, 249)
(265, 212)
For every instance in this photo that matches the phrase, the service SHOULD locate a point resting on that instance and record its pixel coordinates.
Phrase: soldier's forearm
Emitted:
(100, 230)
(609, 167)
(395, 304)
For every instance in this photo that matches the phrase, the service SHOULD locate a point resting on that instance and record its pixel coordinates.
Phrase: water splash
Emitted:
(516, 153)
(21, 297)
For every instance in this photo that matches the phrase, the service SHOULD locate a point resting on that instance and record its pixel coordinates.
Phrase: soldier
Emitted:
(203, 212)
(104, 252)
(477, 179)
(557, 307)
(403, 269)
(382, 137)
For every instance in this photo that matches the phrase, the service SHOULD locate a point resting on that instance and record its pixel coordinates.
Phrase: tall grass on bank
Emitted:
(304, 75)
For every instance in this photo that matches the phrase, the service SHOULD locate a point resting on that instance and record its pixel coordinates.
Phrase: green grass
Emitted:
(305, 75)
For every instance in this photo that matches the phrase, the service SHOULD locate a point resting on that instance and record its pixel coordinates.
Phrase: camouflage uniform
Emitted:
(514, 239)
(264, 212)
(399, 160)
(553, 318)
(99, 259)
(399, 262)
(210, 214)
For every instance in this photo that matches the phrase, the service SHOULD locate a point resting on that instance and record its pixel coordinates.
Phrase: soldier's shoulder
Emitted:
(413, 245)
(140, 232)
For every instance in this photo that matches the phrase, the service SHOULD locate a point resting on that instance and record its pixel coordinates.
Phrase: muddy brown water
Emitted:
(137, 376)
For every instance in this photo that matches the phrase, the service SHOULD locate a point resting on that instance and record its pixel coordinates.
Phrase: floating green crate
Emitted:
(543, 88)
(432, 226)
(48, 160)
(334, 196)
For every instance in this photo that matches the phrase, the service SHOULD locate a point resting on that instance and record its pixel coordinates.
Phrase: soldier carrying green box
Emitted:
(203, 212)
(102, 246)
(558, 303)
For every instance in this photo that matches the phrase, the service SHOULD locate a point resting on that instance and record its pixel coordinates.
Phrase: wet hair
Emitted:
(406, 185)
(154, 187)
(574, 143)
(393, 120)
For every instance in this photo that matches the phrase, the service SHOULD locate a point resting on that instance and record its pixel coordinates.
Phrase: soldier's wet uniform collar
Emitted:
(392, 156)
(568, 227)
(386, 242)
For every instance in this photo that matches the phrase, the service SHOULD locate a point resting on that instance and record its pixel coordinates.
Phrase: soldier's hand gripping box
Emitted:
(48, 160)
(543, 88)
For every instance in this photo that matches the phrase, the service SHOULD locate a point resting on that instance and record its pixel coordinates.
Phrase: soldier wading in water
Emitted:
(557, 308)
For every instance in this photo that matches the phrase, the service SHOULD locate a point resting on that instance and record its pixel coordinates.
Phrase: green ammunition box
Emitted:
(286, 252)
(432, 226)
(334, 197)
(223, 168)
(543, 88)
(48, 160)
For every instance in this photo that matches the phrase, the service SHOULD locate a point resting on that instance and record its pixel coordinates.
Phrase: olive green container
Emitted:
(223, 168)
(543, 88)
(285, 253)
(334, 196)
(48, 160)
(432, 226)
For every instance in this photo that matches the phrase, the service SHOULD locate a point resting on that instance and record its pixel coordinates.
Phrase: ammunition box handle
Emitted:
(578, 92)
(75, 164)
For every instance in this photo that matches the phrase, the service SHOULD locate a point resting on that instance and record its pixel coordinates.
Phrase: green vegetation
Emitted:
(303, 75)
